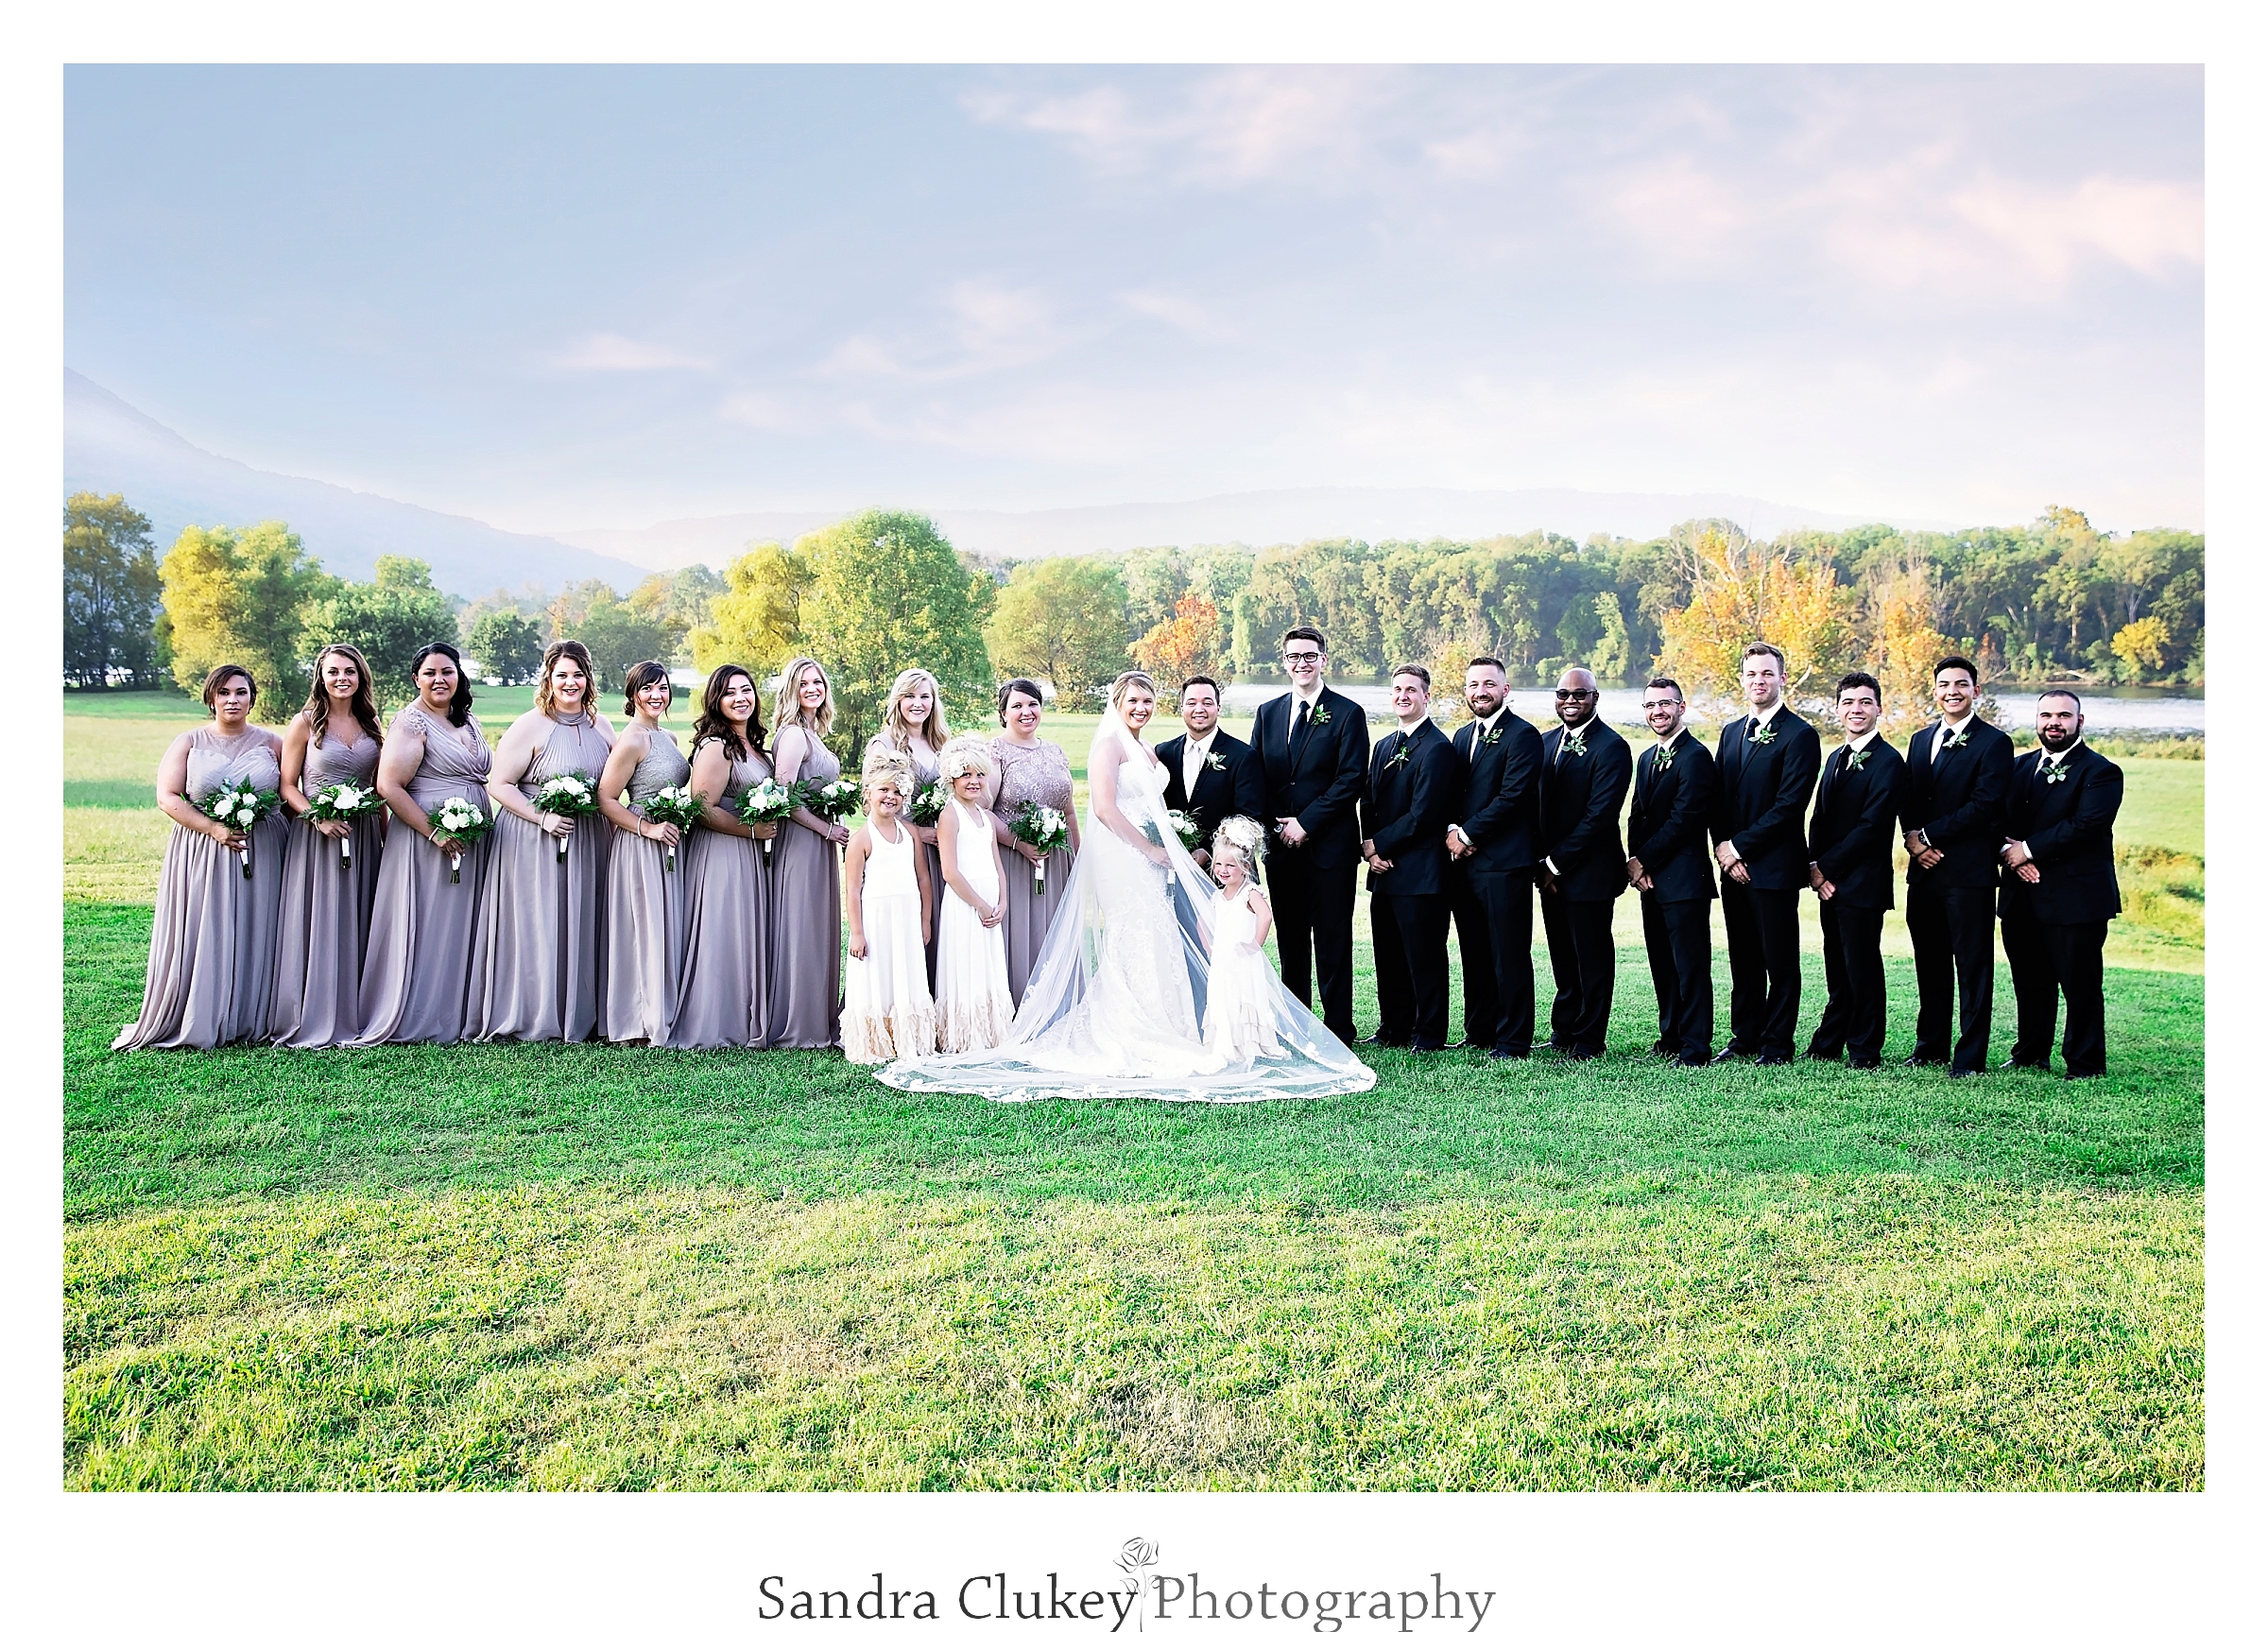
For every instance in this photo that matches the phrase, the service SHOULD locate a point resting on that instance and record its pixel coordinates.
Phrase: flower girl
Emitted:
(886, 1010)
(1239, 986)
(973, 1004)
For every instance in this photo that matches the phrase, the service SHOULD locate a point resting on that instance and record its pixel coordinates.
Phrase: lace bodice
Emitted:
(456, 759)
(1035, 771)
(215, 761)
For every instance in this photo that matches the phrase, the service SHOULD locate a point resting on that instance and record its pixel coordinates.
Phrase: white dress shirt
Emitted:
(1192, 761)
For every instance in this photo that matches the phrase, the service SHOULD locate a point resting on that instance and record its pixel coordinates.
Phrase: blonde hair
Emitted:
(1242, 837)
(788, 710)
(1126, 682)
(965, 753)
(885, 766)
(933, 728)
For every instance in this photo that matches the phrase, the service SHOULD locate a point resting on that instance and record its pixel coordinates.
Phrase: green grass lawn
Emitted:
(580, 1266)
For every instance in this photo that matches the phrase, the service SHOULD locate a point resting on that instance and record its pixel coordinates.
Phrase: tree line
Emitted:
(2056, 600)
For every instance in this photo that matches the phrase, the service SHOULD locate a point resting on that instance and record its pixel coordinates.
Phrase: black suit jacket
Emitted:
(1961, 803)
(1761, 791)
(2066, 824)
(1498, 807)
(1581, 812)
(1669, 820)
(1316, 780)
(1854, 824)
(1221, 794)
(1406, 810)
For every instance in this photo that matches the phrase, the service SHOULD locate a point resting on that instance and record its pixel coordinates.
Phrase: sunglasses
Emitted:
(1570, 697)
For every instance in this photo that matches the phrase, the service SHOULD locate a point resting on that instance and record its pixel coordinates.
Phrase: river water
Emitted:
(2126, 712)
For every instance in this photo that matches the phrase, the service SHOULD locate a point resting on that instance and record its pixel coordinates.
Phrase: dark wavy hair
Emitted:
(714, 723)
(636, 678)
(551, 654)
(460, 700)
(363, 706)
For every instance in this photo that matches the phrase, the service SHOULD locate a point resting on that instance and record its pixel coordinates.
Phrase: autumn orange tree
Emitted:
(1739, 591)
(1179, 646)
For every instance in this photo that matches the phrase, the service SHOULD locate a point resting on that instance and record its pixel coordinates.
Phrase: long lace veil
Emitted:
(1116, 1001)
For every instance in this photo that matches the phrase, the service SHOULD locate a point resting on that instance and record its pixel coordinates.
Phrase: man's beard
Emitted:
(2055, 741)
(1485, 713)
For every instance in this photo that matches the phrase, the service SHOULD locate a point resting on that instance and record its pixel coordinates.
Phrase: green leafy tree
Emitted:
(238, 595)
(506, 644)
(1062, 620)
(2141, 645)
(888, 593)
(618, 635)
(386, 620)
(110, 593)
(675, 601)
(756, 619)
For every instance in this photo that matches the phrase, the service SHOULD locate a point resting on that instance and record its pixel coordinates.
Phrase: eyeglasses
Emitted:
(1301, 660)
(1570, 697)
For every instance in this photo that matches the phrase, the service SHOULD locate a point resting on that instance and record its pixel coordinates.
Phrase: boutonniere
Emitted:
(1663, 755)
(1762, 736)
(1951, 743)
(1494, 733)
(1401, 757)
(1858, 760)
(2056, 772)
(1320, 715)
(1573, 746)
(1217, 760)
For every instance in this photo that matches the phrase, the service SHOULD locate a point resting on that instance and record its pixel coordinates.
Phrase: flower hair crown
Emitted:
(1240, 834)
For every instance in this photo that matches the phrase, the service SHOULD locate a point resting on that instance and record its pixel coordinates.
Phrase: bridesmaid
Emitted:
(807, 884)
(645, 896)
(538, 944)
(1041, 772)
(420, 953)
(212, 944)
(325, 928)
(912, 727)
(722, 990)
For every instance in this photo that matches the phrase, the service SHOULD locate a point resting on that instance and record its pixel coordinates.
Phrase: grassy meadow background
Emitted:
(583, 1266)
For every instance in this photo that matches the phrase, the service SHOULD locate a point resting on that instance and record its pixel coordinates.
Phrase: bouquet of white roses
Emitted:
(464, 821)
(766, 801)
(239, 806)
(1183, 828)
(342, 802)
(835, 801)
(928, 804)
(1043, 828)
(679, 805)
(567, 796)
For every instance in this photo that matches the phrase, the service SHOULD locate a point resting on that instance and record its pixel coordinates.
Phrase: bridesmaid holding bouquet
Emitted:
(646, 878)
(1031, 772)
(330, 866)
(212, 944)
(723, 987)
(420, 952)
(807, 882)
(537, 958)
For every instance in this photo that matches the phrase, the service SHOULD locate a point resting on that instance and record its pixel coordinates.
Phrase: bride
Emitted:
(1116, 997)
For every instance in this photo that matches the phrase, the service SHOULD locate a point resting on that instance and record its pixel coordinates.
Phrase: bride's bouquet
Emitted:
(464, 821)
(567, 796)
(1043, 828)
(240, 805)
(835, 801)
(679, 805)
(1185, 829)
(343, 801)
(928, 804)
(766, 801)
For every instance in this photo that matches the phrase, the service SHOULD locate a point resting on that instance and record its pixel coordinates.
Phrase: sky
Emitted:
(567, 298)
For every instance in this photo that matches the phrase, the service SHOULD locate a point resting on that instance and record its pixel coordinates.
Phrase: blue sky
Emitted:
(603, 296)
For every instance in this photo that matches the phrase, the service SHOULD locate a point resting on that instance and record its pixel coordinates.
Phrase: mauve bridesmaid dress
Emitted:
(807, 923)
(213, 943)
(646, 908)
(326, 924)
(723, 989)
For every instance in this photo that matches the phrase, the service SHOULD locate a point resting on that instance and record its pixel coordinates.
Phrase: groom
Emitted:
(1313, 748)
(1210, 774)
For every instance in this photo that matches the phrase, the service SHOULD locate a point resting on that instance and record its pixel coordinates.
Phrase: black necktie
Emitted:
(1299, 726)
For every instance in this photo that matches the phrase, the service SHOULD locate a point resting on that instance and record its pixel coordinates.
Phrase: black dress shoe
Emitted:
(1864, 1064)
(1663, 1045)
(1728, 1053)
(2024, 1065)
(1380, 1040)
(1919, 1059)
(1684, 1064)
(1507, 1053)
(1426, 1048)
(1820, 1054)
(1776, 1059)
(1961, 1071)
(1583, 1053)
(2083, 1075)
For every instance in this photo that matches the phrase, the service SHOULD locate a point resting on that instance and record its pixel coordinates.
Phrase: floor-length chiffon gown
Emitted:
(807, 922)
(420, 952)
(325, 927)
(212, 943)
(646, 907)
(724, 985)
(1040, 772)
(538, 959)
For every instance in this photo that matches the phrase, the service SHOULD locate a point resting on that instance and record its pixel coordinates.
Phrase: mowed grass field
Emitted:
(581, 1267)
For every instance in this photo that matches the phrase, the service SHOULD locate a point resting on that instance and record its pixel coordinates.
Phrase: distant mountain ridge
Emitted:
(111, 447)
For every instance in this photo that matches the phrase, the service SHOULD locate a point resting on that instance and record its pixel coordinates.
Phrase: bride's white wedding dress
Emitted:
(1116, 1000)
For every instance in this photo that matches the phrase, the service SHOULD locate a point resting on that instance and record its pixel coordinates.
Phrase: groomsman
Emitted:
(1413, 785)
(1312, 748)
(2060, 890)
(1210, 774)
(1854, 834)
(1957, 775)
(1492, 847)
(1586, 776)
(1767, 764)
(1669, 868)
